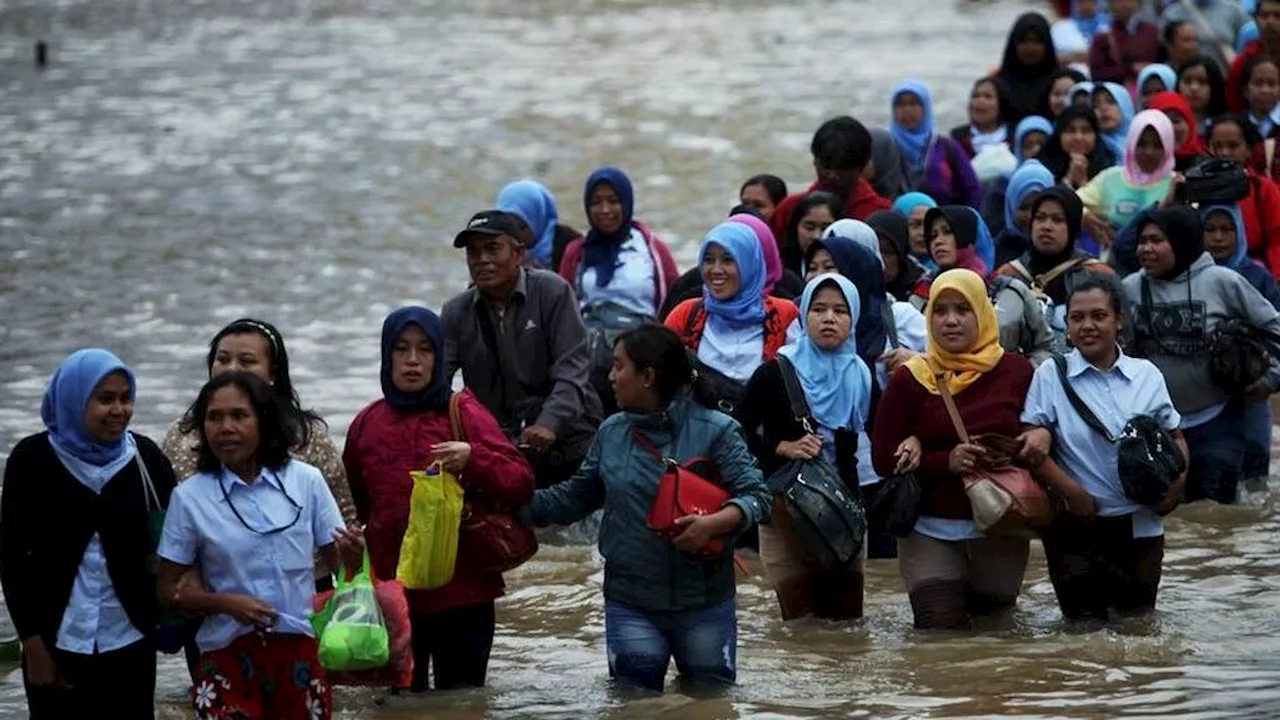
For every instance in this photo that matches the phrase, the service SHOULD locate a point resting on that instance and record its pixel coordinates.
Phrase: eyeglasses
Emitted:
(272, 531)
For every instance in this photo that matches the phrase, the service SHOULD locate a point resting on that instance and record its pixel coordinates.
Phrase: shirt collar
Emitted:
(1077, 365)
(520, 290)
(229, 479)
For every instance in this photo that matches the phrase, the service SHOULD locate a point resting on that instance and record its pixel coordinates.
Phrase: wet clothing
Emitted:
(950, 582)
(642, 642)
(452, 647)
(528, 365)
(126, 676)
(1098, 565)
(384, 446)
(641, 568)
(262, 676)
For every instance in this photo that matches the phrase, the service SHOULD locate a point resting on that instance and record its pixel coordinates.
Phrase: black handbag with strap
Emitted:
(1148, 461)
(826, 517)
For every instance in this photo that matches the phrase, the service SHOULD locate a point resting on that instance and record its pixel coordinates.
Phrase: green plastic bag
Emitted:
(352, 633)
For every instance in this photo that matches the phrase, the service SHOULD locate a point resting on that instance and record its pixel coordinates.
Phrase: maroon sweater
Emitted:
(1113, 61)
(993, 404)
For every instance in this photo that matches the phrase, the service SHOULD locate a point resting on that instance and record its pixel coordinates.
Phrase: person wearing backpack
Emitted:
(734, 327)
(836, 387)
(1052, 262)
(1183, 301)
(1105, 552)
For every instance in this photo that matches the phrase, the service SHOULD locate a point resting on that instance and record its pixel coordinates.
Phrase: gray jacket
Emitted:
(1177, 330)
(533, 368)
(1024, 329)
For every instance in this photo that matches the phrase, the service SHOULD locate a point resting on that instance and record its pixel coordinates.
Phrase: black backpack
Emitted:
(827, 518)
(1148, 460)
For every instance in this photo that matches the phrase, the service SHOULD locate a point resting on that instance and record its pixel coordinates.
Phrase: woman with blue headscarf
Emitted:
(533, 203)
(1226, 240)
(734, 327)
(1025, 183)
(836, 383)
(1154, 79)
(1114, 107)
(76, 544)
(913, 207)
(936, 164)
(620, 262)
(409, 429)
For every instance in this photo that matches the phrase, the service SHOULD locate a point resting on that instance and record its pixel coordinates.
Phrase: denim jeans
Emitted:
(1217, 456)
(1257, 429)
(641, 643)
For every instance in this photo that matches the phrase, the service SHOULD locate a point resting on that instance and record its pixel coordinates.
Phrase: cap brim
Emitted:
(462, 238)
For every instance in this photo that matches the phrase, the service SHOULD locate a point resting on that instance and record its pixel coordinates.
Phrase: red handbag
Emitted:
(491, 537)
(682, 491)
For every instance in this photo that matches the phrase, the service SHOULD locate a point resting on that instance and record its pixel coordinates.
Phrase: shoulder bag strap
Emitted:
(1043, 281)
(950, 403)
(647, 445)
(1022, 270)
(455, 417)
(890, 325)
(795, 393)
(691, 322)
(149, 494)
(1077, 402)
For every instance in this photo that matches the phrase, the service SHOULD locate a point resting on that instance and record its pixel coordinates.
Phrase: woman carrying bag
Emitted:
(836, 387)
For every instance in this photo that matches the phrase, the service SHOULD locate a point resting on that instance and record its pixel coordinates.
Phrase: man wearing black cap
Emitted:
(519, 340)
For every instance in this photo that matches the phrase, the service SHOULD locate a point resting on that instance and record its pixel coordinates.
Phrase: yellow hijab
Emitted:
(964, 368)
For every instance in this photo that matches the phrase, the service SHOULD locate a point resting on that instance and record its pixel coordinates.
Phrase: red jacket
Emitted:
(384, 446)
(992, 404)
(862, 202)
(1261, 213)
(659, 253)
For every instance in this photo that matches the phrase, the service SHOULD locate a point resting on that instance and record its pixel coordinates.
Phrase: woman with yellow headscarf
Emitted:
(952, 571)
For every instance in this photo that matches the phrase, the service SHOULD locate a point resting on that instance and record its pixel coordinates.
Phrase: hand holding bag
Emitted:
(494, 541)
(825, 517)
(682, 492)
(350, 630)
(1006, 500)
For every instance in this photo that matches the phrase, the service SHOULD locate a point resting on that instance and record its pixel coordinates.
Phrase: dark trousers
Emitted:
(453, 645)
(1098, 566)
(881, 545)
(120, 683)
(1219, 450)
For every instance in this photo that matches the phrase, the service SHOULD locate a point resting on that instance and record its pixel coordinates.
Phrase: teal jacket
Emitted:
(641, 568)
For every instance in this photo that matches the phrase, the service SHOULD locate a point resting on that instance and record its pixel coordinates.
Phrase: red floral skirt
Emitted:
(262, 676)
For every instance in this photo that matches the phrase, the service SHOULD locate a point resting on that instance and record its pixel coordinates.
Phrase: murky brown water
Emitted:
(183, 163)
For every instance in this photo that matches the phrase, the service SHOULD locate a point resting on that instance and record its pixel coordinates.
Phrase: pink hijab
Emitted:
(768, 243)
(1158, 121)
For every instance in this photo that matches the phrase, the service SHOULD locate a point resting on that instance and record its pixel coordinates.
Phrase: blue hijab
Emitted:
(1090, 26)
(1162, 71)
(1031, 178)
(863, 269)
(436, 394)
(600, 251)
(904, 206)
(1030, 124)
(914, 144)
(836, 383)
(1117, 140)
(747, 307)
(1240, 257)
(65, 400)
(535, 204)
(1248, 33)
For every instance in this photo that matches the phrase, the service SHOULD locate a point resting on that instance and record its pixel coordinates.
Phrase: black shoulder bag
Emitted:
(1148, 461)
(826, 517)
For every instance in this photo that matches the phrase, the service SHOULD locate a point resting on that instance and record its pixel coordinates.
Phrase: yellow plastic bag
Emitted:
(430, 546)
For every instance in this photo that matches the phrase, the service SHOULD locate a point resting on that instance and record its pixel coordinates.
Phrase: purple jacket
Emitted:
(948, 177)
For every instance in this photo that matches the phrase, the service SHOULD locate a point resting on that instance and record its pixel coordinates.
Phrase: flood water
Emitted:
(182, 163)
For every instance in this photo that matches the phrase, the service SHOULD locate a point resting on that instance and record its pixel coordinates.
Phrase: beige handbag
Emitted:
(1006, 500)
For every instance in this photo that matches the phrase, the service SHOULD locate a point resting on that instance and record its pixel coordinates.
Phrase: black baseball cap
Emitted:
(492, 223)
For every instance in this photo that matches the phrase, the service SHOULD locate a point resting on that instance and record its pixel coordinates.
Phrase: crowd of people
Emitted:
(1036, 275)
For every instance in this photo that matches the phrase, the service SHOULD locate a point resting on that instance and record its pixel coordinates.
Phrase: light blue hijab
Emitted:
(914, 144)
(1118, 139)
(1240, 257)
(1247, 35)
(747, 307)
(1031, 177)
(1030, 124)
(534, 203)
(836, 383)
(67, 397)
(1162, 71)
